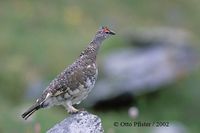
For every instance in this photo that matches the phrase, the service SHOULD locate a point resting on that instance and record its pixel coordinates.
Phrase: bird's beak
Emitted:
(111, 32)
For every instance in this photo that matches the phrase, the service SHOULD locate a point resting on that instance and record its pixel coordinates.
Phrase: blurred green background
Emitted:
(39, 38)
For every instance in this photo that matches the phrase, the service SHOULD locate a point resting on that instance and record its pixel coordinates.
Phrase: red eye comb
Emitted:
(107, 30)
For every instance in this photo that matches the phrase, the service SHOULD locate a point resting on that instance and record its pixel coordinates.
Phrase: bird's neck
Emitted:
(92, 49)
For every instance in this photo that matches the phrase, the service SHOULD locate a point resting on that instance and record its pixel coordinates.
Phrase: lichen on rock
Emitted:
(82, 122)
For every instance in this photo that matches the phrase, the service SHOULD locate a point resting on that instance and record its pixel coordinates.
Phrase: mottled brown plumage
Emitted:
(75, 82)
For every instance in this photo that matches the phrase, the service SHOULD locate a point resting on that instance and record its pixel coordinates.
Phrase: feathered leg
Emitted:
(70, 108)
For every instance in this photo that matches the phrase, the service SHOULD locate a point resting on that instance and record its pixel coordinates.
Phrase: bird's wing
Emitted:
(70, 79)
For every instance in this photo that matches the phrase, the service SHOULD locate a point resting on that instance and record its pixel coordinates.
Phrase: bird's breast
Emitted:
(91, 73)
(85, 87)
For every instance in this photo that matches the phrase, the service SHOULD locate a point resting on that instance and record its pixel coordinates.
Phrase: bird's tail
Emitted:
(31, 110)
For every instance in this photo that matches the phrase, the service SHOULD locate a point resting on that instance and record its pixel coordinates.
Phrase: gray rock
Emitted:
(83, 122)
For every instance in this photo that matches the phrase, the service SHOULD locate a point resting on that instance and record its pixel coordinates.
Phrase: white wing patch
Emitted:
(48, 95)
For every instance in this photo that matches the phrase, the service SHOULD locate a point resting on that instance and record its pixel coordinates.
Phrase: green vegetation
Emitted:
(39, 38)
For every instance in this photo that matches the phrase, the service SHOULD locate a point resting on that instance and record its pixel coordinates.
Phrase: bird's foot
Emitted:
(73, 111)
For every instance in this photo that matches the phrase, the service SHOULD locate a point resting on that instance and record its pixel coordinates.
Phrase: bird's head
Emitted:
(103, 33)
